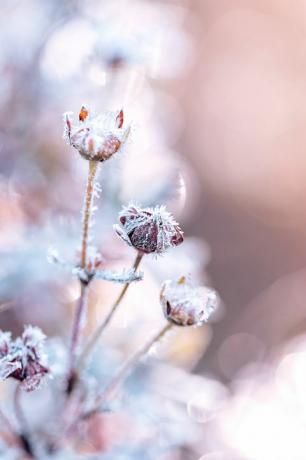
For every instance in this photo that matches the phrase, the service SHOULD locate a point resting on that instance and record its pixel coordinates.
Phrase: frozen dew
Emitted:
(125, 276)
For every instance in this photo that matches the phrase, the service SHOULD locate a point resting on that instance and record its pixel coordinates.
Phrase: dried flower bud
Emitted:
(96, 138)
(149, 230)
(187, 305)
(23, 358)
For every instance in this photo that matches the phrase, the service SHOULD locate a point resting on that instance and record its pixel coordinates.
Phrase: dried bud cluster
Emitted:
(96, 138)
(23, 359)
(187, 305)
(149, 230)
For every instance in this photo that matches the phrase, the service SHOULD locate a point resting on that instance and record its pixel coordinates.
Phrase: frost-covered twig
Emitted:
(97, 334)
(87, 210)
(76, 332)
(126, 276)
(127, 367)
(82, 302)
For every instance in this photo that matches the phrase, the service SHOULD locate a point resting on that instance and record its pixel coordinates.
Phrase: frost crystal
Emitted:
(186, 304)
(96, 138)
(125, 276)
(149, 230)
(23, 359)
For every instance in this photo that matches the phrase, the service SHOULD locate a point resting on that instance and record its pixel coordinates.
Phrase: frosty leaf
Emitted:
(125, 276)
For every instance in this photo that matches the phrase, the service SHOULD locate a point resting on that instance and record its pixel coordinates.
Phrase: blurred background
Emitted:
(215, 94)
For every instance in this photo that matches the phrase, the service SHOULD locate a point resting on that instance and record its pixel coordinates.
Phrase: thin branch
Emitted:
(77, 327)
(97, 334)
(82, 302)
(88, 211)
(127, 367)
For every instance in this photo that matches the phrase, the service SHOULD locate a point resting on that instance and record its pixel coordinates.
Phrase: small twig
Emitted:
(82, 302)
(127, 367)
(87, 211)
(76, 332)
(97, 334)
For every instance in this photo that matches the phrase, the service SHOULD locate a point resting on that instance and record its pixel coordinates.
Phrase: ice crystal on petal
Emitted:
(96, 137)
(186, 304)
(125, 276)
(149, 230)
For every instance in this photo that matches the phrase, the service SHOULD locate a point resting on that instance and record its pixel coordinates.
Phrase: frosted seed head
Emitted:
(149, 230)
(97, 138)
(187, 305)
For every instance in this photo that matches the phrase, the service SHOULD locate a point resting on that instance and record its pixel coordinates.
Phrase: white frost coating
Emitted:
(150, 229)
(186, 304)
(25, 354)
(125, 276)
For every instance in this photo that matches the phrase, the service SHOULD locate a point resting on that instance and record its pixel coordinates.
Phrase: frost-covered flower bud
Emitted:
(96, 138)
(187, 305)
(149, 230)
(23, 359)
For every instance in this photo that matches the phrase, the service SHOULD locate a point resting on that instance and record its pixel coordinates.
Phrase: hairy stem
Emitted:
(127, 367)
(82, 302)
(97, 334)
(87, 211)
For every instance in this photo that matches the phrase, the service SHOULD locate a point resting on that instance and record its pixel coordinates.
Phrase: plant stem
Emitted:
(87, 211)
(127, 367)
(82, 301)
(97, 334)
(77, 328)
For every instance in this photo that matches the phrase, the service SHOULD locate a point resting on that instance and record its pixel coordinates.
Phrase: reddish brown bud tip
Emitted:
(120, 119)
(83, 113)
